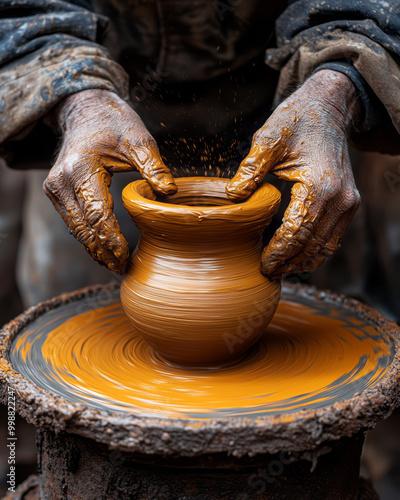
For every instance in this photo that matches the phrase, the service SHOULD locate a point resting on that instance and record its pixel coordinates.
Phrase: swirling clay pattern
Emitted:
(310, 356)
(195, 275)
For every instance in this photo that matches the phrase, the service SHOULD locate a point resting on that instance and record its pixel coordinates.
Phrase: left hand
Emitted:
(102, 134)
(305, 141)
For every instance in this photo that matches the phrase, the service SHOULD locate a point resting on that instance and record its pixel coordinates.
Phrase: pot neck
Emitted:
(208, 237)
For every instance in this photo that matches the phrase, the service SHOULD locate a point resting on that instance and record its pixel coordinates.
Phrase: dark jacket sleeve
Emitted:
(49, 49)
(360, 38)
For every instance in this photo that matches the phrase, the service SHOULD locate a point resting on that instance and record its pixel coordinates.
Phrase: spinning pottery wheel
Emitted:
(285, 422)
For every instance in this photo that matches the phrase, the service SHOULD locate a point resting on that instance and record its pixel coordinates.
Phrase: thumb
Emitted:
(251, 171)
(153, 169)
(159, 176)
(145, 156)
(268, 149)
(246, 179)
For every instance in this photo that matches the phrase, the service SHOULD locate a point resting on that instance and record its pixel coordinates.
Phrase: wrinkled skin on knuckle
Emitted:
(92, 183)
(357, 199)
(142, 141)
(83, 233)
(75, 174)
(50, 186)
(325, 252)
(331, 189)
(54, 181)
(351, 198)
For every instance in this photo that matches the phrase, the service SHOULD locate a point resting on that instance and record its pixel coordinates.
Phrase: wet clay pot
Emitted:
(194, 289)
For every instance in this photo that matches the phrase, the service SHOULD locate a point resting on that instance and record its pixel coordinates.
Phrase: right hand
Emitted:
(102, 134)
(305, 141)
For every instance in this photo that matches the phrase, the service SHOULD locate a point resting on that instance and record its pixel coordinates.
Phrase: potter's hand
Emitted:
(305, 141)
(101, 135)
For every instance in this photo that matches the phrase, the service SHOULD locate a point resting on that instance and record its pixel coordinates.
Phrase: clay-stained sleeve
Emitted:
(49, 50)
(360, 38)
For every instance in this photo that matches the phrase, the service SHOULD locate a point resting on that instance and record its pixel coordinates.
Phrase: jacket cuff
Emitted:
(31, 87)
(373, 68)
(368, 119)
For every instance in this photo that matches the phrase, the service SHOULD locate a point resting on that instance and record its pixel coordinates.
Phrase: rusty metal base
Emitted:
(81, 469)
(29, 490)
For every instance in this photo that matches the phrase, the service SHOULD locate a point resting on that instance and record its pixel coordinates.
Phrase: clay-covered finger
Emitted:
(296, 230)
(96, 204)
(329, 232)
(60, 196)
(319, 240)
(65, 201)
(148, 161)
(308, 258)
(253, 168)
(268, 148)
(309, 265)
(330, 248)
(247, 178)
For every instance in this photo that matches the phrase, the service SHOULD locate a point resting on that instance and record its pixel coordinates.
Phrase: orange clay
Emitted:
(194, 287)
(304, 359)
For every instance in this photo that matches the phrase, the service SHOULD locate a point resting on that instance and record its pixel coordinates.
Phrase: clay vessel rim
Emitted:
(262, 203)
(268, 434)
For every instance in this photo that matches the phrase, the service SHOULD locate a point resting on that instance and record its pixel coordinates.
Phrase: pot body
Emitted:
(194, 288)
